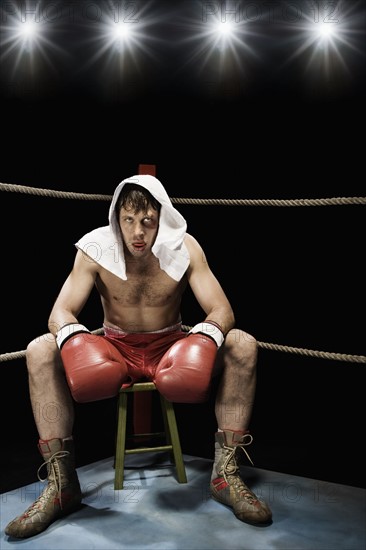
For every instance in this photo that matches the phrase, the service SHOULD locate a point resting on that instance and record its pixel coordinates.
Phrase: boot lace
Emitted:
(54, 472)
(230, 467)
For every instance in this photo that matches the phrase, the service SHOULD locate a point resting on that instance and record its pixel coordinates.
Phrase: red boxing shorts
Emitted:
(143, 351)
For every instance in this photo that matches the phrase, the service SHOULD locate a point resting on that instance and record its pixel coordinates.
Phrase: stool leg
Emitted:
(121, 441)
(173, 436)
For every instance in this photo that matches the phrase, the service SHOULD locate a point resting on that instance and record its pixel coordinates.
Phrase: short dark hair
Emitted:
(136, 198)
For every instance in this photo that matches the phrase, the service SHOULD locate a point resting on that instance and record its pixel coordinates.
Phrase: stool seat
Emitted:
(170, 433)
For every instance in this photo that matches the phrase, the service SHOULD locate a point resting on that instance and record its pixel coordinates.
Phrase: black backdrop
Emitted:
(294, 275)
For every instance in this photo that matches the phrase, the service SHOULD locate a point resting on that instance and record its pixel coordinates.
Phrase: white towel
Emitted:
(104, 244)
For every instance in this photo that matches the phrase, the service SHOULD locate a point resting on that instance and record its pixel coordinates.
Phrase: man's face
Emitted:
(139, 230)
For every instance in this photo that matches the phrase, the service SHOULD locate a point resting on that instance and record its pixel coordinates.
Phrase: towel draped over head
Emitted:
(104, 244)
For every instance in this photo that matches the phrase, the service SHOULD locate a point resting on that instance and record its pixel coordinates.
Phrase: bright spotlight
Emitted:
(327, 37)
(27, 30)
(324, 33)
(121, 31)
(326, 30)
(25, 38)
(217, 41)
(27, 34)
(123, 39)
(223, 34)
(224, 29)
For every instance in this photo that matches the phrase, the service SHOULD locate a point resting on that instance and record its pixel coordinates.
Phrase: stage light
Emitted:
(25, 38)
(224, 30)
(328, 42)
(326, 30)
(121, 31)
(221, 42)
(27, 30)
(324, 35)
(122, 41)
(226, 35)
(121, 35)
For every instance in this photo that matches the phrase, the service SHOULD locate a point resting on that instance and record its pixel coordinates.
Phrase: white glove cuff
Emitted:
(211, 330)
(68, 330)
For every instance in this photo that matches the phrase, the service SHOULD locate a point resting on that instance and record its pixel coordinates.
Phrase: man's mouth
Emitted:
(139, 246)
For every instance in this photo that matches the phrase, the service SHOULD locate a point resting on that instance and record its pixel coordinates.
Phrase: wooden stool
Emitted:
(170, 433)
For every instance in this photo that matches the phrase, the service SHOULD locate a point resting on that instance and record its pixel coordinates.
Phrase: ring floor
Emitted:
(154, 511)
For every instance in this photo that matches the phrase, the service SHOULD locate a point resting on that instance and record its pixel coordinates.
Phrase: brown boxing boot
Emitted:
(61, 496)
(226, 484)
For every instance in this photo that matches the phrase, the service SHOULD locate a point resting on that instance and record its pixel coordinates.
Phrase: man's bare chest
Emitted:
(146, 291)
(140, 290)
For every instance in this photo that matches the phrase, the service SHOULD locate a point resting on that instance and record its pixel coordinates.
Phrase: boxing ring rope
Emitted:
(336, 201)
(211, 202)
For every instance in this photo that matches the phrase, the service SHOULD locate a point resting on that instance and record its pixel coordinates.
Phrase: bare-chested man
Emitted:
(141, 264)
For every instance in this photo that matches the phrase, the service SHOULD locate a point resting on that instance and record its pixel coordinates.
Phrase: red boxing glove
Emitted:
(94, 368)
(185, 371)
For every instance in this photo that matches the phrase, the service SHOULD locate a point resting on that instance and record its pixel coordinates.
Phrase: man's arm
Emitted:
(94, 368)
(185, 371)
(206, 288)
(74, 293)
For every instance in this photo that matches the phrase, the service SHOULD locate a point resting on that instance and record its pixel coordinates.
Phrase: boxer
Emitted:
(141, 263)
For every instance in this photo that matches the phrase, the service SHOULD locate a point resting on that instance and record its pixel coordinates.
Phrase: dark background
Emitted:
(267, 125)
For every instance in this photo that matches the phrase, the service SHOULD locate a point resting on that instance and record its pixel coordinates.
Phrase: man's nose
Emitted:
(139, 230)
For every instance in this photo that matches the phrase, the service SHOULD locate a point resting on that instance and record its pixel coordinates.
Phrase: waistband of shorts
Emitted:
(113, 331)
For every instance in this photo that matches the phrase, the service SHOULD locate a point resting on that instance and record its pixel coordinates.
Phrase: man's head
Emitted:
(137, 199)
(137, 213)
(167, 236)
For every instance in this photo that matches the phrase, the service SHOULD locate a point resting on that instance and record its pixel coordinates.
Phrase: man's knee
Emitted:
(241, 345)
(42, 349)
